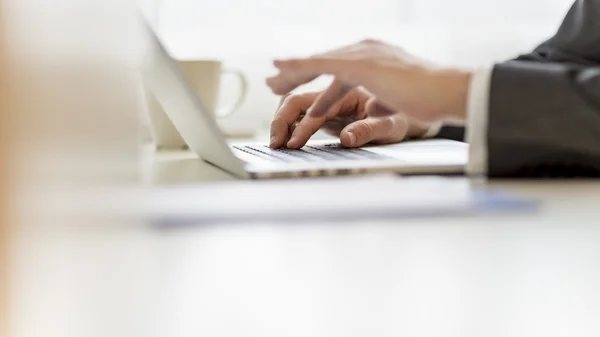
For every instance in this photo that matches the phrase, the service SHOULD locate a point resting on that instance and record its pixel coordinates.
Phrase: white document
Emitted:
(339, 198)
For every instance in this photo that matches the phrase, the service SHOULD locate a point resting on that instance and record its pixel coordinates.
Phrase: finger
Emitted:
(375, 108)
(286, 81)
(287, 115)
(309, 125)
(374, 129)
(336, 91)
(305, 128)
(296, 72)
(317, 64)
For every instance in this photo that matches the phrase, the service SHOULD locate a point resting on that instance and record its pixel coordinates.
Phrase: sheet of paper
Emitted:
(332, 199)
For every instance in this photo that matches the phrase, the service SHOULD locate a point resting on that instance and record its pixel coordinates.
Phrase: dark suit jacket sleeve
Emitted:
(544, 109)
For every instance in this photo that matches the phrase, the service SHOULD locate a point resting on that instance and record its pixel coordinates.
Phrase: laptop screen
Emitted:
(164, 79)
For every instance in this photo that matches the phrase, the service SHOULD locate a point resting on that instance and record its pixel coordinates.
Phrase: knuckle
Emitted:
(398, 126)
(383, 127)
(387, 127)
(290, 104)
(278, 122)
(389, 124)
(291, 99)
(365, 129)
(283, 98)
(275, 124)
(370, 41)
(296, 99)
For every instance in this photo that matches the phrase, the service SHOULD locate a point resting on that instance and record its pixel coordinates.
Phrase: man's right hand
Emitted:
(357, 119)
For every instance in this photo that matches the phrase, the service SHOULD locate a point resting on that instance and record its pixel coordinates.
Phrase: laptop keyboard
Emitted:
(329, 152)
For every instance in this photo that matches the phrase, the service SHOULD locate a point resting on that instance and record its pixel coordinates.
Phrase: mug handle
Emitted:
(226, 111)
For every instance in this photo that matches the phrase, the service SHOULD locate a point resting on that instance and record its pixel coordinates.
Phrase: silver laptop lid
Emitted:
(163, 77)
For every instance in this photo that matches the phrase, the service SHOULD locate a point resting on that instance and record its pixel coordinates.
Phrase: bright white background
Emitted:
(248, 34)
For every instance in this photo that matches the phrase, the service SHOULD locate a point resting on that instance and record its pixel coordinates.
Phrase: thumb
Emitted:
(374, 129)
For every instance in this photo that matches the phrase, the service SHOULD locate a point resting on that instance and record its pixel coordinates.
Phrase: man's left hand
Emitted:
(399, 81)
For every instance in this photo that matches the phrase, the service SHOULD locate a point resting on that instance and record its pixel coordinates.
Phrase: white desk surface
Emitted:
(527, 275)
(532, 275)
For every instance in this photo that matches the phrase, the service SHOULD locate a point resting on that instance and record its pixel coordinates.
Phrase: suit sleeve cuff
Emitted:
(433, 130)
(477, 119)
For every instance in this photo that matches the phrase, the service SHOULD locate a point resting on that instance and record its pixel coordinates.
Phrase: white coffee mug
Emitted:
(204, 77)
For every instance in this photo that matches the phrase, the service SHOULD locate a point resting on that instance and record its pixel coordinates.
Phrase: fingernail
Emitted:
(272, 141)
(352, 138)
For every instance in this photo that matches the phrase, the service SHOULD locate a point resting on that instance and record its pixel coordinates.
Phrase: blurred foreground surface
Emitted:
(72, 103)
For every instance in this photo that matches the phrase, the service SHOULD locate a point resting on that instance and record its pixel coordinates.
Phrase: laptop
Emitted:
(255, 160)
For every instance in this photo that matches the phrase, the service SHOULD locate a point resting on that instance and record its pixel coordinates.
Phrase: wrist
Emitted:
(452, 86)
(418, 128)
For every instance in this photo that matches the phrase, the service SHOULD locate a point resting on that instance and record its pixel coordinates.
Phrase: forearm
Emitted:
(544, 115)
